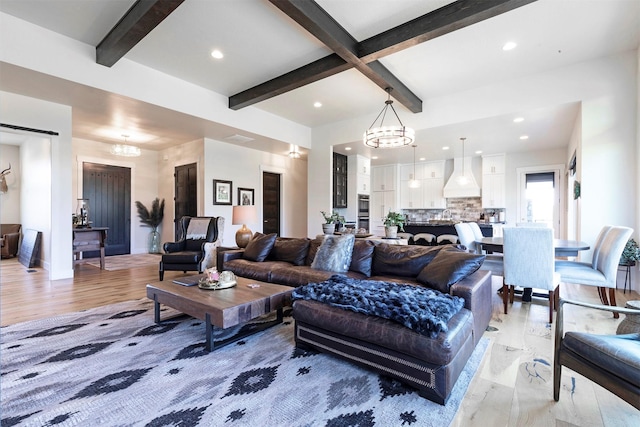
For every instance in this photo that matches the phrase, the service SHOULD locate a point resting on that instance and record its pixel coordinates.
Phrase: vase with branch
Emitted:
(152, 218)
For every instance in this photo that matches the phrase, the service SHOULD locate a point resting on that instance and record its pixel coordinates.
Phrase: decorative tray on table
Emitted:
(225, 280)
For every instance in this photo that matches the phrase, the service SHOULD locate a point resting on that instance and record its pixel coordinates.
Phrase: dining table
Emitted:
(562, 247)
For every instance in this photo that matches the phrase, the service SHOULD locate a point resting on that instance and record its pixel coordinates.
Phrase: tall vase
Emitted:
(154, 242)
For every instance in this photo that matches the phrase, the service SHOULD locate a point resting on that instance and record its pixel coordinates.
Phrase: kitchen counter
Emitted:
(439, 228)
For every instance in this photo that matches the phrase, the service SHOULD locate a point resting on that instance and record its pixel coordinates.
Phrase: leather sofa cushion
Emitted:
(448, 267)
(259, 247)
(184, 257)
(254, 270)
(290, 250)
(362, 257)
(402, 260)
(440, 350)
(617, 354)
(298, 276)
(314, 244)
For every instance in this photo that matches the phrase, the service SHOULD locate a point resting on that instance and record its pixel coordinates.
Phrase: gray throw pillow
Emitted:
(448, 267)
(334, 254)
(259, 247)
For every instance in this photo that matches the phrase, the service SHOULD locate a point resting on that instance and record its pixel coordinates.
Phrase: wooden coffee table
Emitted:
(225, 307)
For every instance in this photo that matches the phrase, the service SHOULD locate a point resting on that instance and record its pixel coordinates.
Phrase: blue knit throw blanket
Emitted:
(422, 310)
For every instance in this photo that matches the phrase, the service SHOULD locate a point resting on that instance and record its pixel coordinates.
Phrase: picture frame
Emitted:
(222, 192)
(245, 196)
(576, 190)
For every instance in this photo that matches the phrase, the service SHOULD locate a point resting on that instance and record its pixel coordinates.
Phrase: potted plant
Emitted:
(392, 222)
(630, 254)
(153, 219)
(329, 227)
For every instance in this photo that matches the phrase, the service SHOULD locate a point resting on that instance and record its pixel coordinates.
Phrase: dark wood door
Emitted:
(186, 193)
(271, 203)
(108, 189)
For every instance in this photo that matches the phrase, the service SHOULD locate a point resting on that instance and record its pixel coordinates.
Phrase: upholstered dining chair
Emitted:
(529, 259)
(424, 239)
(611, 361)
(493, 263)
(195, 250)
(603, 268)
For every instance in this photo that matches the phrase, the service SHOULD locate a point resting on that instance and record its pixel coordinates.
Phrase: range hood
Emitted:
(456, 186)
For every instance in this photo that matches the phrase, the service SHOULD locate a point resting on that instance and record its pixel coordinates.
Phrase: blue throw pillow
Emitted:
(334, 254)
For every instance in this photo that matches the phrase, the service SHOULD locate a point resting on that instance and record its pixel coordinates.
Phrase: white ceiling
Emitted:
(261, 43)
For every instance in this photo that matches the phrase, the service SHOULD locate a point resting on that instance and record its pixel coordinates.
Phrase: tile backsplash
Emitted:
(463, 208)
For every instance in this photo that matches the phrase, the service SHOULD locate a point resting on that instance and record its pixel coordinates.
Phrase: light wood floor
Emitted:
(513, 386)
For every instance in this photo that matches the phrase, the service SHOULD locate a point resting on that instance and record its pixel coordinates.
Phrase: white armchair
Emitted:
(529, 262)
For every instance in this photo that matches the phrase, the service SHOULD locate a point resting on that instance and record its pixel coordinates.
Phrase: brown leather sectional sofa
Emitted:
(432, 365)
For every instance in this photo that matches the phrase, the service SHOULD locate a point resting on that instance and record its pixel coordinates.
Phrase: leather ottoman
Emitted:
(431, 365)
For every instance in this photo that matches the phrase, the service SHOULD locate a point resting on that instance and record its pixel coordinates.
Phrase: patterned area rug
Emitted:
(122, 262)
(112, 366)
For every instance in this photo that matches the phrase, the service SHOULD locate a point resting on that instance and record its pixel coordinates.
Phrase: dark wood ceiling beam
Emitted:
(317, 70)
(447, 19)
(134, 25)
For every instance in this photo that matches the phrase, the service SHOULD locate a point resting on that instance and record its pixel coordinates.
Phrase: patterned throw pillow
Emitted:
(334, 254)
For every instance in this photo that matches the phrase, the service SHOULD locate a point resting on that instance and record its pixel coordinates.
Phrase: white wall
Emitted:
(34, 113)
(244, 167)
(35, 199)
(144, 182)
(10, 201)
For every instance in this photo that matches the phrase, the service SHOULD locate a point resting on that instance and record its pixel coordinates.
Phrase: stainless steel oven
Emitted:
(363, 211)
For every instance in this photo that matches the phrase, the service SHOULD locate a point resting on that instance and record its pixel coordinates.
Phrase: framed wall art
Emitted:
(245, 196)
(222, 192)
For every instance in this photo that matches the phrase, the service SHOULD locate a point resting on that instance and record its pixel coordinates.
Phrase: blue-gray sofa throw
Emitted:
(425, 311)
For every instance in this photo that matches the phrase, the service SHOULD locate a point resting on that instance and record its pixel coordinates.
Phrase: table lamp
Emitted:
(243, 215)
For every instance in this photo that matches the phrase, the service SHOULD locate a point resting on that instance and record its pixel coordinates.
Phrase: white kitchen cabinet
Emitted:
(493, 164)
(406, 172)
(383, 178)
(363, 165)
(433, 169)
(433, 196)
(381, 203)
(493, 181)
(411, 198)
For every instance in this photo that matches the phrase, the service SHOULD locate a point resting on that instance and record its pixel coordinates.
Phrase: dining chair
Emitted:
(493, 263)
(603, 268)
(611, 361)
(529, 262)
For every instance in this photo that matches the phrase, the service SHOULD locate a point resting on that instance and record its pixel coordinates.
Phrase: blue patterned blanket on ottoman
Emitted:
(422, 310)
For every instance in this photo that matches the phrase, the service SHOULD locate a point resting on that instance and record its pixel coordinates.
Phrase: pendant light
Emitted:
(125, 150)
(462, 179)
(413, 182)
(388, 136)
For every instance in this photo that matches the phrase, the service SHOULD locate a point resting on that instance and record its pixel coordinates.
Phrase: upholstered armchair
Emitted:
(612, 361)
(10, 239)
(196, 249)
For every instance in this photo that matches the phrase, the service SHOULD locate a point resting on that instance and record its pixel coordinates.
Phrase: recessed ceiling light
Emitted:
(524, 137)
(347, 148)
(317, 104)
(422, 159)
(518, 120)
(509, 46)
(374, 158)
(445, 148)
(217, 54)
(479, 152)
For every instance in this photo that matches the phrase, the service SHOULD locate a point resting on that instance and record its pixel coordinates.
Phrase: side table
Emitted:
(631, 323)
(627, 274)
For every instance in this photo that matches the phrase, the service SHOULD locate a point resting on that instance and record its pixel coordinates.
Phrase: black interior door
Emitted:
(186, 193)
(108, 189)
(271, 203)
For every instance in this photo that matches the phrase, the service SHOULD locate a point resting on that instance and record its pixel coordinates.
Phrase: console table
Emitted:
(89, 239)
